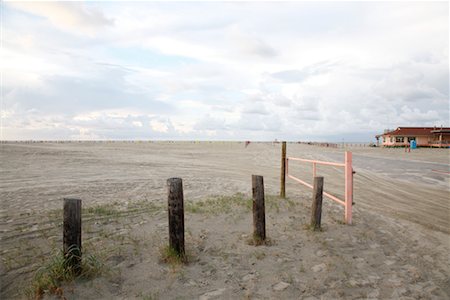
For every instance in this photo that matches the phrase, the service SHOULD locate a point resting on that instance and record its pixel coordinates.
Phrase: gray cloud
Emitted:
(291, 75)
(250, 45)
(208, 122)
(255, 122)
(255, 109)
(260, 48)
(414, 115)
(106, 90)
(301, 75)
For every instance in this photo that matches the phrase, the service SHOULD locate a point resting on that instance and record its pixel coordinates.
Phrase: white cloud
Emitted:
(137, 123)
(73, 16)
(415, 115)
(291, 70)
(250, 45)
(159, 126)
(210, 123)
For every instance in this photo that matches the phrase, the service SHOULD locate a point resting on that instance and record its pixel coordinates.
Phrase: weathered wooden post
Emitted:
(316, 210)
(72, 234)
(283, 171)
(176, 215)
(259, 215)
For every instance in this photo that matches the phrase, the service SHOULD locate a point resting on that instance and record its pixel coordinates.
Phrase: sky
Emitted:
(296, 71)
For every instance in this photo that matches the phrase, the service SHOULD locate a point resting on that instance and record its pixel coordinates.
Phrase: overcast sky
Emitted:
(222, 71)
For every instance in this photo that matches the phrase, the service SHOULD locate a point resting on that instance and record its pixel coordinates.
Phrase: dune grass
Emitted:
(219, 204)
(50, 278)
(226, 204)
(172, 257)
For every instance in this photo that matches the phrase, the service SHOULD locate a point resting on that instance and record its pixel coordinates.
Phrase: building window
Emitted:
(392, 139)
(411, 138)
(399, 139)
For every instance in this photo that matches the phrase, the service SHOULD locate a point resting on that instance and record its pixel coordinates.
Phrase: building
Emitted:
(424, 137)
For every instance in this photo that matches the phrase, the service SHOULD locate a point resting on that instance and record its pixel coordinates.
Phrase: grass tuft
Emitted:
(50, 278)
(102, 210)
(225, 204)
(219, 204)
(257, 241)
(312, 227)
(172, 257)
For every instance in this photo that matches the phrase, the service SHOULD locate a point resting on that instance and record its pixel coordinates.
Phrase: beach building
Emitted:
(423, 137)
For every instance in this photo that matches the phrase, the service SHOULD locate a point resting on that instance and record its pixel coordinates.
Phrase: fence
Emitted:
(72, 208)
(348, 171)
(175, 206)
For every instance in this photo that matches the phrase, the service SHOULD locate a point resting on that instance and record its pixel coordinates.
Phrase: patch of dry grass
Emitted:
(172, 257)
(49, 278)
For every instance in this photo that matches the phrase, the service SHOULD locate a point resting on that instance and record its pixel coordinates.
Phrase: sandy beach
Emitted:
(397, 247)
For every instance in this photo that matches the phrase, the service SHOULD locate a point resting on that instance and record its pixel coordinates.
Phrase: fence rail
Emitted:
(348, 171)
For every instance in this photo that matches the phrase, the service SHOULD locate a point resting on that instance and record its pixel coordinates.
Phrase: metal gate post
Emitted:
(348, 187)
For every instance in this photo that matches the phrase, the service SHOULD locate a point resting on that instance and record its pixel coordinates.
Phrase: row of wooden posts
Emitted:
(175, 202)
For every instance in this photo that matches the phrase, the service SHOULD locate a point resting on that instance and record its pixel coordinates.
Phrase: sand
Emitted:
(397, 247)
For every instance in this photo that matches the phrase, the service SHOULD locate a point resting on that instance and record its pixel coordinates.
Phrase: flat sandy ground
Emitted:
(398, 246)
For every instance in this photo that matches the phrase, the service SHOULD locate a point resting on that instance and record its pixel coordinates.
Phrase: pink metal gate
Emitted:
(348, 171)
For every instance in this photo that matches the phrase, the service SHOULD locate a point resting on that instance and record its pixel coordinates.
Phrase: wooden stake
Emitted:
(259, 215)
(72, 234)
(176, 215)
(316, 210)
(283, 171)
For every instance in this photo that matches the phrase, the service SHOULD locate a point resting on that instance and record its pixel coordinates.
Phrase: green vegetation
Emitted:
(109, 226)
(149, 296)
(312, 227)
(225, 204)
(259, 255)
(102, 210)
(115, 210)
(219, 204)
(273, 202)
(257, 241)
(339, 221)
(172, 257)
(50, 278)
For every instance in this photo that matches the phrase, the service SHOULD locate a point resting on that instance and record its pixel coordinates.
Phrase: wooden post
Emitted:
(316, 210)
(259, 215)
(72, 234)
(283, 171)
(176, 215)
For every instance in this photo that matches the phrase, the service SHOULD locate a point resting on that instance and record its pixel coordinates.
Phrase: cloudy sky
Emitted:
(222, 71)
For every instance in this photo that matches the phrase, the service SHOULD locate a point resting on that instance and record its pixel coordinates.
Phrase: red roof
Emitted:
(405, 131)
